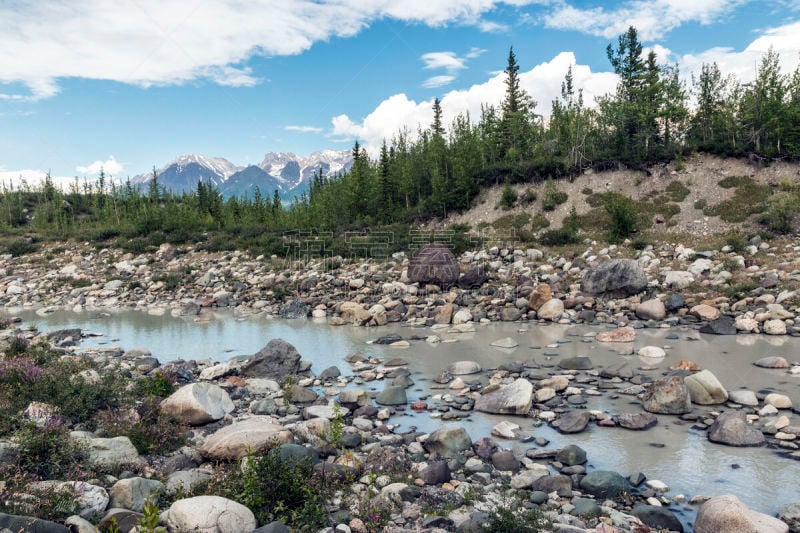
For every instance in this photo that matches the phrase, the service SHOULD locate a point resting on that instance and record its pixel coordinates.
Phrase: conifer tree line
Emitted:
(654, 115)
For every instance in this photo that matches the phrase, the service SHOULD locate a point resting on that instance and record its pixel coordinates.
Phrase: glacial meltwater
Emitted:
(672, 451)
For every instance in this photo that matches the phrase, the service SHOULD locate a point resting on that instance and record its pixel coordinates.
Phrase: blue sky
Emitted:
(134, 84)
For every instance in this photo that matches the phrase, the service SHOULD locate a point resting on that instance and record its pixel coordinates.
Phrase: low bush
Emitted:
(512, 515)
(509, 198)
(622, 216)
(150, 430)
(781, 213)
(48, 452)
(552, 196)
(558, 237)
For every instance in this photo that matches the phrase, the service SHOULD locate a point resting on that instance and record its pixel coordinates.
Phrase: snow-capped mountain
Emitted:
(284, 171)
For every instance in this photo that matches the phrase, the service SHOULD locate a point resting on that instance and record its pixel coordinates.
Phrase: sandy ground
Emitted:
(701, 175)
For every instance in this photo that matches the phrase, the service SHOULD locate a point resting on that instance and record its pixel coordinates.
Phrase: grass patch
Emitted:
(748, 199)
(677, 191)
(513, 221)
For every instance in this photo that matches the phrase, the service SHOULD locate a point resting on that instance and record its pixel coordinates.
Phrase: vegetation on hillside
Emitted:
(438, 169)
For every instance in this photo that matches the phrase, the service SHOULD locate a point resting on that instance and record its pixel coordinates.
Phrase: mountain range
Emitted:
(287, 172)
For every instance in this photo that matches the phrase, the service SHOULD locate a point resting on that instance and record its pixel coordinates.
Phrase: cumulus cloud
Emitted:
(450, 62)
(152, 42)
(438, 81)
(543, 83)
(111, 167)
(303, 129)
(652, 18)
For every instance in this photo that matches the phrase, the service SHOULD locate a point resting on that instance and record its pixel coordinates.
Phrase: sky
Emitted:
(130, 84)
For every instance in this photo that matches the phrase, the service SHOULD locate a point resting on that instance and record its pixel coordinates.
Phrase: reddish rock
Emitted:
(625, 334)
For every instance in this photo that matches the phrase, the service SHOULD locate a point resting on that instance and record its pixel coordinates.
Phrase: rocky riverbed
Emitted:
(442, 479)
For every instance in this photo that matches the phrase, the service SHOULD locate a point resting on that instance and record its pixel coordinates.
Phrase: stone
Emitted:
(131, 493)
(277, 360)
(510, 314)
(257, 433)
(513, 399)
(624, 334)
(539, 296)
(746, 324)
(444, 314)
(571, 455)
(603, 484)
(435, 264)
(279, 527)
(117, 451)
(507, 342)
(462, 316)
(29, 524)
(504, 460)
(551, 310)
(295, 309)
(779, 401)
(705, 388)
(572, 422)
(585, 507)
(772, 362)
(463, 368)
(210, 514)
(731, 428)
(685, 364)
(743, 397)
(724, 325)
(668, 395)
(638, 421)
(705, 312)
(678, 279)
(505, 429)
(615, 278)
(354, 313)
(651, 310)
(657, 517)
(126, 520)
(775, 326)
(392, 396)
(526, 478)
(448, 442)
(473, 278)
(790, 514)
(653, 352)
(435, 473)
(674, 302)
(198, 403)
(185, 480)
(728, 513)
(560, 484)
(90, 499)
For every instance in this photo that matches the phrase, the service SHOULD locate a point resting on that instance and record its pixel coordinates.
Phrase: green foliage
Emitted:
(159, 385)
(53, 501)
(749, 198)
(335, 431)
(552, 196)
(48, 452)
(277, 489)
(781, 213)
(509, 198)
(511, 515)
(152, 431)
(148, 523)
(622, 216)
(701, 204)
(737, 241)
(528, 197)
(20, 247)
(171, 280)
(677, 191)
(511, 222)
(558, 237)
(539, 221)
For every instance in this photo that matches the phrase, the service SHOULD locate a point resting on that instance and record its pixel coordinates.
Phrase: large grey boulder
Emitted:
(513, 399)
(277, 360)
(668, 395)
(131, 493)
(603, 483)
(198, 403)
(433, 263)
(210, 514)
(657, 517)
(448, 442)
(104, 453)
(615, 278)
(572, 422)
(29, 524)
(705, 388)
(727, 513)
(256, 434)
(731, 428)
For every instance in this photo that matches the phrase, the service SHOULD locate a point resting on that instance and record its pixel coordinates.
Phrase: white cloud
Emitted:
(438, 81)
(543, 82)
(446, 60)
(303, 129)
(153, 42)
(652, 18)
(111, 167)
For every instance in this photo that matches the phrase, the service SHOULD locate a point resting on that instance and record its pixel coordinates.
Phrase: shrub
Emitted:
(587, 191)
(171, 280)
(552, 196)
(677, 191)
(509, 197)
(20, 247)
(48, 452)
(737, 241)
(159, 385)
(782, 209)
(529, 196)
(150, 430)
(622, 215)
(512, 516)
(539, 222)
(558, 237)
(700, 204)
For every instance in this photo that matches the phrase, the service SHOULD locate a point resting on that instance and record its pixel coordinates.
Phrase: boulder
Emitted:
(615, 278)
(678, 279)
(435, 473)
(727, 513)
(29, 524)
(277, 360)
(444, 314)
(743, 397)
(572, 422)
(433, 263)
(731, 428)
(652, 352)
(513, 399)
(772, 362)
(257, 433)
(463, 368)
(473, 278)
(448, 442)
(790, 514)
(705, 388)
(571, 455)
(651, 310)
(392, 396)
(210, 514)
(603, 484)
(551, 310)
(657, 517)
(131, 493)
(580, 362)
(705, 312)
(775, 326)
(777, 400)
(667, 395)
(638, 421)
(117, 451)
(724, 325)
(539, 296)
(198, 403)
